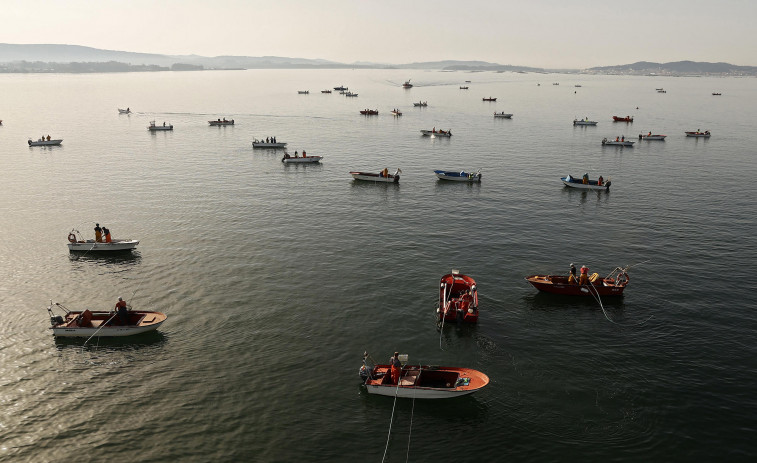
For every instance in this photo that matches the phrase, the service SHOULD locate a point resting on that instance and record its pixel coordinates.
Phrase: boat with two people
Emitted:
(396, 112)
(584, 285)
(45, 141)
(269, 142)
(458, 176)
(622, 119)
(369, 112)
(421, 104)
(102, 243)
(650, 136)
(153, 127)
(619, 141)
(458, 298)
(384, 176)
(223, 121)
(399, 379)
(705, 134)
(437, 133)
(503, 115)
(90, 323)
(585, 121)
(297, 159)
(124, 111)
(584, 183)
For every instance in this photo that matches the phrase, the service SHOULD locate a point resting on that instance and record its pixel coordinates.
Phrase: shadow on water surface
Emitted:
(123, 343)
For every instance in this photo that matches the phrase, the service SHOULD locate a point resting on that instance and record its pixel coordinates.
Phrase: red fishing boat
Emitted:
(611, 285)
(622, 119)
(458, 298)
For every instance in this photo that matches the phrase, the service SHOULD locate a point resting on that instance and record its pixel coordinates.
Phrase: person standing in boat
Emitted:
(98, 233)
(396, 368)
(572, 278)
(584, 278)
(122, 311)
(600, 180)
(106, 233)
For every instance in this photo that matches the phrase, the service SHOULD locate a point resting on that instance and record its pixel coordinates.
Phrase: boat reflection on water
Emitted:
(150, 339)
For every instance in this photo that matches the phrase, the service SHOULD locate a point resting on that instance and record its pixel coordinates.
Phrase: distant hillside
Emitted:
(677, 68)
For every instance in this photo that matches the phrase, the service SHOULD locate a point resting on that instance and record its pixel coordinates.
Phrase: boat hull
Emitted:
(93, 246)
(45, 142)
(221, 122)
(144, 321)
(458, 176)
(436, 134)
(558, 284)
(698, 134)
(652, 137)
(268, 145)
(584, 122)
(426, 382)
(307, 160)
(503, 116)
(617, 143)
(370, 177)
(160, 128)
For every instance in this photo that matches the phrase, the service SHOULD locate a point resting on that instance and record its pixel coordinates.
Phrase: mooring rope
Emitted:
(396, 390)
(412, 412)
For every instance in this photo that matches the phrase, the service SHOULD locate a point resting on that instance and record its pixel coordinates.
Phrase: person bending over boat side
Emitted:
(286, 155)
(584, 278)
(572, 278)
(396, 368)
(98, 233)
(106, 233)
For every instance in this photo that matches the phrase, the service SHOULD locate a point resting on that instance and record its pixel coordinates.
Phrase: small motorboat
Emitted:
(383, 176)
(617, 142)
(437, 133)
(467, 81)
(659, 90)
(304, 159)
(78, 244)
(124, 111)
(584, 122)
(154, 127)
(490, 99)
(325, 91)
(369, 112)
(106, 324)
(611, 285)
(458, 176)
(463, 87)
(716, 94)
(556, 83)
(585, 184)
(267, 144)
(650, 136)
(503, 115)
(396, 112)
(420, 381)
(45, 142)
(351, 94)
(221, 122)
(341, 88)
(303, 92)
(622, 119)
(458, 298)
(705, 134)
(407, 84)
(421, 104)
(577, 86)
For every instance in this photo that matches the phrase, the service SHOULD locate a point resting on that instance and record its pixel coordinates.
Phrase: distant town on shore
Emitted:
(39, 58)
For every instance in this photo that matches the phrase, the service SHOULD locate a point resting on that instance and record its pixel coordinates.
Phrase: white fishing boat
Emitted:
(124, 111)
(705, 134)
(223, 121)
(383, 176)
(584, 122)
(420, 381)
(396, 112)
(617, 142)
(87, 323)
(458, 176)
(153, 127)
(585, 184)
(650, 136)
(45, 142)
(267, 144)
(77, 243)
(503, 115)
(437, 133)
(304, 159)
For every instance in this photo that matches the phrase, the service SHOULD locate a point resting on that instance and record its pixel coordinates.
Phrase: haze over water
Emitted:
(276, 278)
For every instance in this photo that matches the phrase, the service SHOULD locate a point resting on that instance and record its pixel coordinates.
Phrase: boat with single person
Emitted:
(458, 176)
(153, 127)
(383, 176)
(369, 112)
(612, 285)
(421, 104)
(583, 183)
(458, 298)
(407, 84)
(106, 324)
(490, 99)
(77, 243)
(705, 134)
(45, 141)
(304, 159)
(221, 122)
(650, 136)
(622, 119)
(124, 111)
(617, 142)
(268, 143)
(437, 133)
(503, 115)
(420, 381)
(584, 122)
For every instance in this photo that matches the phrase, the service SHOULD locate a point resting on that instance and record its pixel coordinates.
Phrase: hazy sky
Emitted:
(539, 33)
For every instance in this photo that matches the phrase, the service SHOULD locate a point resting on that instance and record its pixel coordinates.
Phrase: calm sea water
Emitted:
(276, 278)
